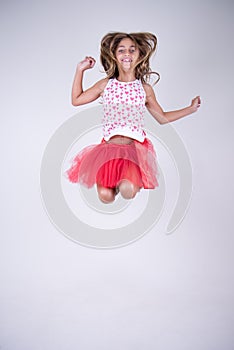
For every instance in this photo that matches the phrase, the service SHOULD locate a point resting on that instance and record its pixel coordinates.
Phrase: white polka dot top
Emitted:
(124, 107)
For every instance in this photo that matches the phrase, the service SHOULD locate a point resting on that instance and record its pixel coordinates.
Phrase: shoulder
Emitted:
(148, 89)
(149, 92)
(101, 84)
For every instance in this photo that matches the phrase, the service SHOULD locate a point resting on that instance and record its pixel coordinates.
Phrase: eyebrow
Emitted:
(124, 46)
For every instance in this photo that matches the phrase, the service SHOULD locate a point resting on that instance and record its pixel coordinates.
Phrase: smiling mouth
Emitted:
(126, 60)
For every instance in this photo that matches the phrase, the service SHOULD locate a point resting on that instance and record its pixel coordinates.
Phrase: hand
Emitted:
(195, 104)
(87, 63)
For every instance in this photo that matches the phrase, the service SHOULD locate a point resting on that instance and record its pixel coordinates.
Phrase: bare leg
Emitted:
(106, 195)
(127, 189)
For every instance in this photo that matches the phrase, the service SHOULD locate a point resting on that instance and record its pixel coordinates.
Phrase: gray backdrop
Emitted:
(162, 291)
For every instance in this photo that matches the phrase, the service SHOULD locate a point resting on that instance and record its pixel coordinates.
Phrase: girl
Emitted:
(125, 160)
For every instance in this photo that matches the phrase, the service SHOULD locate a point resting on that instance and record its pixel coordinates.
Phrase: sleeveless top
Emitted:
(124, 107)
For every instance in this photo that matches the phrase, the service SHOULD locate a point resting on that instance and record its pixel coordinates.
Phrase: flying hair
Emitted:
(146, 44)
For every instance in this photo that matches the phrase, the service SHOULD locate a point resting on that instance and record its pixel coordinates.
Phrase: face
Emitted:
(127, 54)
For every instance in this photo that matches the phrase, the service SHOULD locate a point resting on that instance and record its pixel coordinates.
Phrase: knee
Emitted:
(106, 195)
(127, 189)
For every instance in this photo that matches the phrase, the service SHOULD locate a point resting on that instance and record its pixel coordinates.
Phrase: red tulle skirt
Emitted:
(107, 164)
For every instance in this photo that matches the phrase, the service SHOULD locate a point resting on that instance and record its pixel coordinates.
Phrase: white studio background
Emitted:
(163, 291)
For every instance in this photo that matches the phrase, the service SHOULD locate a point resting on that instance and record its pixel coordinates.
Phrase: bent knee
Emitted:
(128, 190)
(106, 195)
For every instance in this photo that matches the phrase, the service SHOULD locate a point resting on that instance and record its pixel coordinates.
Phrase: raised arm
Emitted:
(80, 97)
(166, 117)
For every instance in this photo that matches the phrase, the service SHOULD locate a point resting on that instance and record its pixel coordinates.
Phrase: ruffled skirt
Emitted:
(107, 164)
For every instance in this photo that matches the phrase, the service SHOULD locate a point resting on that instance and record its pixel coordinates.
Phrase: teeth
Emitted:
(127, 60)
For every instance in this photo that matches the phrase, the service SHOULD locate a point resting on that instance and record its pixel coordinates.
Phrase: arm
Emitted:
(166, 117)
(80, 97)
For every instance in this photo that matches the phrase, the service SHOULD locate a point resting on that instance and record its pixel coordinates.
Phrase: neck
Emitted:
(126, 76)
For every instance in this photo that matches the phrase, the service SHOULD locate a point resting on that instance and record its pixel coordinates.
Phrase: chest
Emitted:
(124, 93)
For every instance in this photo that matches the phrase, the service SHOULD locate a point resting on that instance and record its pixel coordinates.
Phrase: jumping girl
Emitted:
(125, 159)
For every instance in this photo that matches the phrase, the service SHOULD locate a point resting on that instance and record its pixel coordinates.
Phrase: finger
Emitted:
(92, 63)
(198, 101)
(90, 60)
(86, 60)
(89, 57)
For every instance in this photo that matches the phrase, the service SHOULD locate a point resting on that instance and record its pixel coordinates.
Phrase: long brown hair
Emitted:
(144, 41)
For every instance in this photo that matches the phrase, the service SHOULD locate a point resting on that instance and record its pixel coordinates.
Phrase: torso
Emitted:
(124, 107)
(120, 140)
